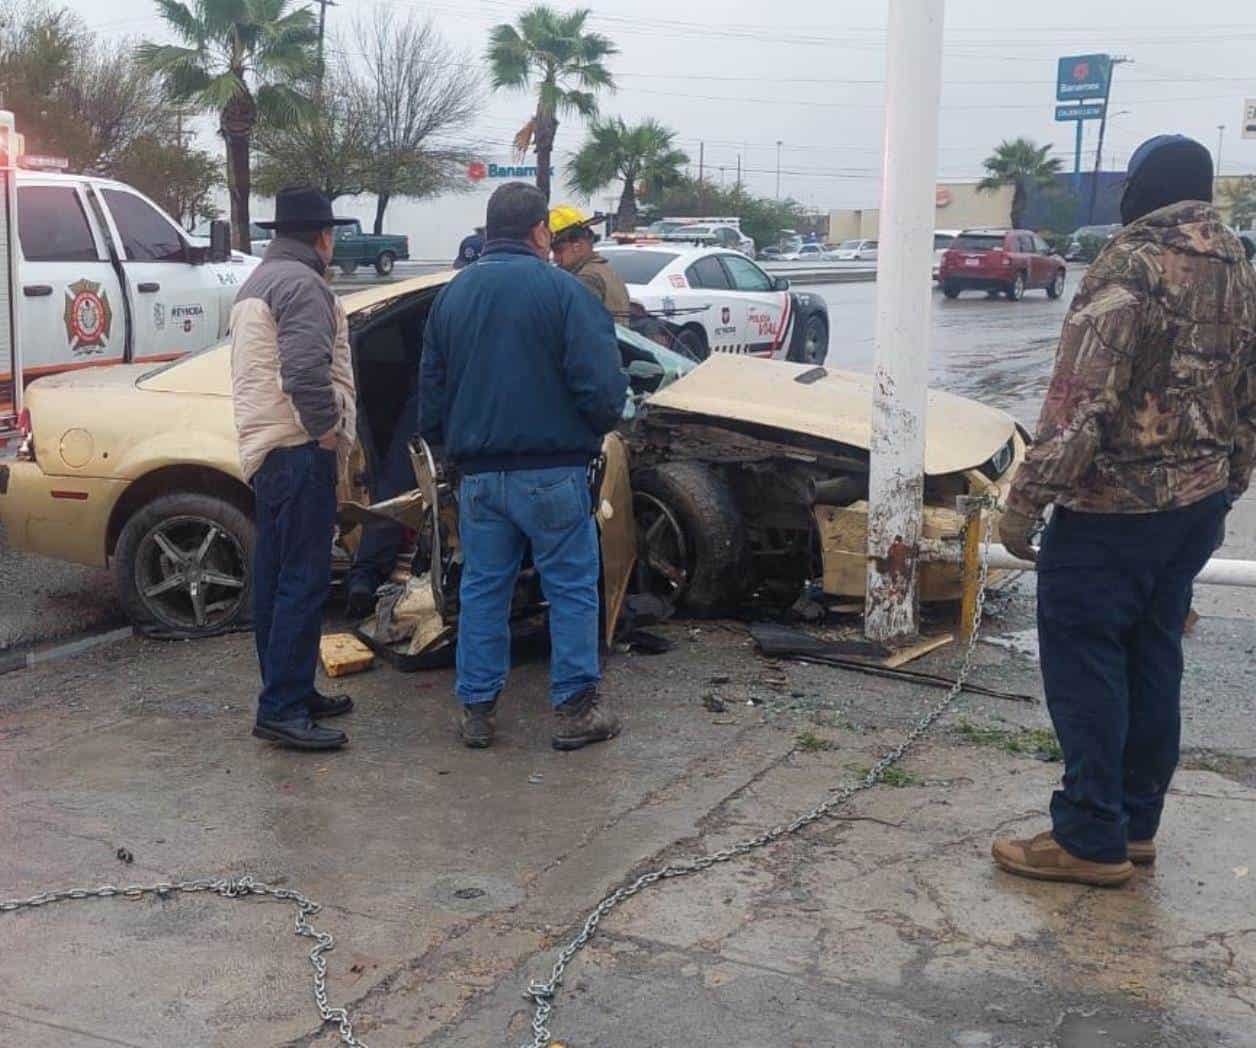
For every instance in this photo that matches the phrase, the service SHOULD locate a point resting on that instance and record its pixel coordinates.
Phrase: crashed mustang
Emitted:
(727, 479)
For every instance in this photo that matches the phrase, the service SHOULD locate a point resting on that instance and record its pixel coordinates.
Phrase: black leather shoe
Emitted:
(300, 733)
(321, 705)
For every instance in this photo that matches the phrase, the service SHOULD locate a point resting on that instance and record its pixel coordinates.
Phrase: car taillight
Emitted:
(1002, 256)
(24, 422)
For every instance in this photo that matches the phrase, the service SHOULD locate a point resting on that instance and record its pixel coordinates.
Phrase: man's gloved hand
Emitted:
(1014, 531)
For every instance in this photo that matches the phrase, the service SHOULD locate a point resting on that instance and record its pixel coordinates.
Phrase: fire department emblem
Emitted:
(726, 315)
(88, 317)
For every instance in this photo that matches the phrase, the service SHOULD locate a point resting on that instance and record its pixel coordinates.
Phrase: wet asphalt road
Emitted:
(995, 351)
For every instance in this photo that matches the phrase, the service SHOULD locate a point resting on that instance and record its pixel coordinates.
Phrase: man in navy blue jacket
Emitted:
(520, 380)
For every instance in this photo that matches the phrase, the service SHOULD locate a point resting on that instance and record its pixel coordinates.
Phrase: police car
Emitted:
(721, 302)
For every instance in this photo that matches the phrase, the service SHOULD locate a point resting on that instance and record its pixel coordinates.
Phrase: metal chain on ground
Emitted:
(543, 994)
(228, 888)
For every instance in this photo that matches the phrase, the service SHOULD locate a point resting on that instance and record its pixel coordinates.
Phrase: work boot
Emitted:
(1045, 859)
(479, 724)
(1141, 853)
(299, 733)
(580, 721)
(321, 705)
(359, 602)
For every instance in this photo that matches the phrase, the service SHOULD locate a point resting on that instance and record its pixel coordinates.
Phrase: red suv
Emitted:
(1007, 260)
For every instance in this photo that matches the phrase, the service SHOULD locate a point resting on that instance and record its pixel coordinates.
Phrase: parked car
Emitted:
(807, 253)
(721, 302)
(1087, 241)
(1011, 261)
(854, 251)
(943, 240)
(728, 237)
(725, 476)
(355, 248)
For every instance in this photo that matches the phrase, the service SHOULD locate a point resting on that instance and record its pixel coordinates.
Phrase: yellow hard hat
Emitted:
(565, 218)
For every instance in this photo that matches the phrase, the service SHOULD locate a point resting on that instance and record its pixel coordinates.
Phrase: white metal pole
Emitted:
(903, 305)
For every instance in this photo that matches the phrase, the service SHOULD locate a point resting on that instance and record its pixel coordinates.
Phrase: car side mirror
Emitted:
(780, 284)
(220, 240)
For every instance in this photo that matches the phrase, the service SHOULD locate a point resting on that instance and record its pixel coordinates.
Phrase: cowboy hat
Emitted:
(303, 207)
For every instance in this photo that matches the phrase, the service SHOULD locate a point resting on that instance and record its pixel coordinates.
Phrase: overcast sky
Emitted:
(741, 75)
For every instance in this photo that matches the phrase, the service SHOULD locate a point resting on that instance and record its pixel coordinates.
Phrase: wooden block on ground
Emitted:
(914, 651)
(343, 653)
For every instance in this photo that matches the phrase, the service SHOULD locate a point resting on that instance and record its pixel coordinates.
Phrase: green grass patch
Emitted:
(894, 776)
(810, 742)
(1023, 742)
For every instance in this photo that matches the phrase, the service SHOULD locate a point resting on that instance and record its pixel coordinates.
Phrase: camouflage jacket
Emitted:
(1152, 404)
(596, 274)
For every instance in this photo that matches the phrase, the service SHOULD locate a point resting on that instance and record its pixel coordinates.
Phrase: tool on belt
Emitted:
(594, 474)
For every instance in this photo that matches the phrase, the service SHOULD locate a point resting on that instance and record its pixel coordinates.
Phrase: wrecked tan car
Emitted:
(728, 478)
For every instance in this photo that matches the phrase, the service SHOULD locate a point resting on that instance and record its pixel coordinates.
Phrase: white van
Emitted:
(99, 274)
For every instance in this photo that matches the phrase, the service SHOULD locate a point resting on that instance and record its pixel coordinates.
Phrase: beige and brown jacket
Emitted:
(291, 373)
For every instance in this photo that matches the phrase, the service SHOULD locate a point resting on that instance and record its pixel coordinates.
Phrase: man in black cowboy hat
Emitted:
(293, 393)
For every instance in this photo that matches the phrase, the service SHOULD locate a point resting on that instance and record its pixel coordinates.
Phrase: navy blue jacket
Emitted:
(520, 366)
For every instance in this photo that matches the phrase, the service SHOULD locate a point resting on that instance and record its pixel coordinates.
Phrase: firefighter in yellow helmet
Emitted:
(573, 251)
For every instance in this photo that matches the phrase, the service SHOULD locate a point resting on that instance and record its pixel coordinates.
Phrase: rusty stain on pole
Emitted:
(903, 303)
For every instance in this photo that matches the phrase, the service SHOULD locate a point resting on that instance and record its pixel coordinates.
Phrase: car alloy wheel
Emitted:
(1017, 291)
(191, 573)
(384, 264)
(1057, 286)
(662, 552)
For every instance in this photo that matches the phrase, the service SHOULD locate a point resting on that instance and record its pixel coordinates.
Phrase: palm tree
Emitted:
(1019, 163)
(242, 60)
(643, 155)
(553, 52)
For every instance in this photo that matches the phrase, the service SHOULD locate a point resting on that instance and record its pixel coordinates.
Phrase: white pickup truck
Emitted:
(98, 274)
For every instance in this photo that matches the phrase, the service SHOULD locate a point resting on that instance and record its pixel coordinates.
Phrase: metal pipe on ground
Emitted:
(1217, 572)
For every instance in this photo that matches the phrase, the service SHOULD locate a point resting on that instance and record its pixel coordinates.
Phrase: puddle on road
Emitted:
(1107, 1030)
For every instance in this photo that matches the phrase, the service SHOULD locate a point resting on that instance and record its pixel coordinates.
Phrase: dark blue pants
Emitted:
(295, 493)
(376, 554)
(1114, 591)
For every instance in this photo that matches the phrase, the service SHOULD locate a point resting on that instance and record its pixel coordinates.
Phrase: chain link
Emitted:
(543, 994)
(229, 888)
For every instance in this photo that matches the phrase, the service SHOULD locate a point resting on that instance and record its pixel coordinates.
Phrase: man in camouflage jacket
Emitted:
(1147, 436)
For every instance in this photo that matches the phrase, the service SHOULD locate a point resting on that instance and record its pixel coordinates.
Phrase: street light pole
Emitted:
(323, 5)
(779, 143)
(903, 304)
(1220, 142)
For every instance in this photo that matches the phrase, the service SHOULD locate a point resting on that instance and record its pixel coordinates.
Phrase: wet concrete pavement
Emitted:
(449, 877)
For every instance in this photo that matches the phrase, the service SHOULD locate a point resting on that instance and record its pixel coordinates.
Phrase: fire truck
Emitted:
(92, 273)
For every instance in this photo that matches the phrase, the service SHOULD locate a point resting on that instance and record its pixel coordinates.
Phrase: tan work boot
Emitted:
(1044, 859)
(1141, 853)
(580, 721)
(479, 725)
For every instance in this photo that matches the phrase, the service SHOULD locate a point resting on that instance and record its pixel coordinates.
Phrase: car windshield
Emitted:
(639, 267)
(978, 242)
(672, 361)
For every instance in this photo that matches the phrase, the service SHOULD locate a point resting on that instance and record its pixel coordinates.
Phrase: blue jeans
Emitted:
(295, 493)
(1114, 591)
(499, 515)
(392, 475)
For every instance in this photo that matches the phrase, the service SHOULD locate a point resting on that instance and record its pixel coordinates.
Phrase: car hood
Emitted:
(960, 434)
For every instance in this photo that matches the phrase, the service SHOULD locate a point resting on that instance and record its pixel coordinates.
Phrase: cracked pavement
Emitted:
(449, 877)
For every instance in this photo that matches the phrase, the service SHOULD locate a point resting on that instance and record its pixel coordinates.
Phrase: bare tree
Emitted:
(331, 146)
(421, 95)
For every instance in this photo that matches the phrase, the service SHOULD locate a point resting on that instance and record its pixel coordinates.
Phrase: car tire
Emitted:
(384, 264)
(1016, 289)
(814, 347)
(142, 564)
(692, 341)
(692, 545)
(1056, 288)
(950, 290)
(348, 268)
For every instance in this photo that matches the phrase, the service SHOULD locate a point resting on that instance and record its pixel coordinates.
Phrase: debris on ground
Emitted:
(710, 702)
(643, 642)
(125, 856)
(343, 654)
